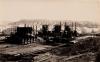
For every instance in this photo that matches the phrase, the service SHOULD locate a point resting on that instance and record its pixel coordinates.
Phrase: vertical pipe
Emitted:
(72, 26)
(36, 33)
(36, 29)
(65, 23)
(65, 26)
(33, 30)
(92, 30)
(60, 23)
(33, 33)
(75, 26)
(25, 25)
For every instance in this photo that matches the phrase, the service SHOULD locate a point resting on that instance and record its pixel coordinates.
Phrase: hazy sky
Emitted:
(15, 10)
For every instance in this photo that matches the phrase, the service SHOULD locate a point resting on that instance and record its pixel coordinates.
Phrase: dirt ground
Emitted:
(24, 53)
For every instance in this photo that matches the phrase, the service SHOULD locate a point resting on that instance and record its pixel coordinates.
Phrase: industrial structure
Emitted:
(25, 35)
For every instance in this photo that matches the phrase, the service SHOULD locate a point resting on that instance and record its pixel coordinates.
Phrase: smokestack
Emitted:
(25, 25)
(72, 26)
(65, 24)
(60, 23)
(33, 29)
(36, 29)
(75, 26)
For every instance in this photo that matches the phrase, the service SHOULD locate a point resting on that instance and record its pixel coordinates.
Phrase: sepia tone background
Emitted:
(49, 30)
(76, 10)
